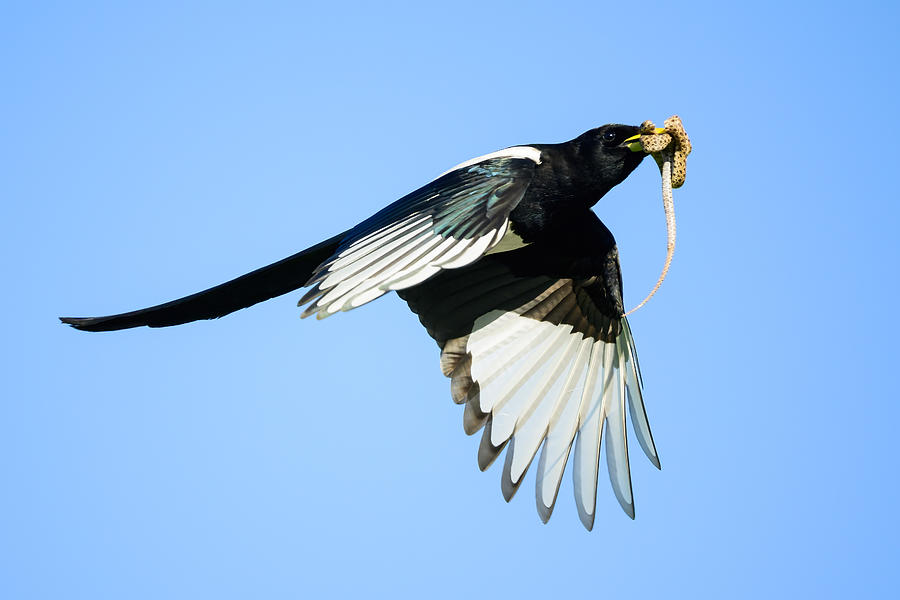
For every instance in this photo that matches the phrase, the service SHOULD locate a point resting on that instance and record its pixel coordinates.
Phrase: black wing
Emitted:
(537, 357)
(448, 223)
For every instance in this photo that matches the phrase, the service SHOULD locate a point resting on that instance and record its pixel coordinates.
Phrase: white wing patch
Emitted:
(511, 152)
(532, 382)
(398, 258)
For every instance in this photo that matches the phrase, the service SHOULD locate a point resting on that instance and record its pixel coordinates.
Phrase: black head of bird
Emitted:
(614, 158)
(517, 281)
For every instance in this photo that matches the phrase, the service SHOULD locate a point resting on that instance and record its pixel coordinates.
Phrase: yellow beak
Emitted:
(635, 140)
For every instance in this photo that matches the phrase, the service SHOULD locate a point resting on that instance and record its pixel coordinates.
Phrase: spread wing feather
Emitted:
(447, 224)
(540, 365)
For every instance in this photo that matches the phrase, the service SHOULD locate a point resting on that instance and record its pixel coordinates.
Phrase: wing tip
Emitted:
(487, 451)
(587, 519)
(628, 508)
(507, 489)
(507, 486)
(544, 512)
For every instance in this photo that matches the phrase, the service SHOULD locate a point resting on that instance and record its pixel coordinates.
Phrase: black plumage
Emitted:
(518, 282)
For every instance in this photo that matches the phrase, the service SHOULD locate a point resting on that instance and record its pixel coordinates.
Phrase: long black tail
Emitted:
(262, 284)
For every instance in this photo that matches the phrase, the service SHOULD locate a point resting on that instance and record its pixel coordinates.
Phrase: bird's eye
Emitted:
(609, 136)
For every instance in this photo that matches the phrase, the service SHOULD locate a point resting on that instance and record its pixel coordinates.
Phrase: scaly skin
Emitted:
(672, 160)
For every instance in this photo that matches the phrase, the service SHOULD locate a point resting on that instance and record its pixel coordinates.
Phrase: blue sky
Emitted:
(147, 152)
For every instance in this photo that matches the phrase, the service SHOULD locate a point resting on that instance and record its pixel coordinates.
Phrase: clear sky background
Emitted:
(147, 152)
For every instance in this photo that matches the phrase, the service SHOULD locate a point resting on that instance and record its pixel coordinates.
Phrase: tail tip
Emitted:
(80, 323)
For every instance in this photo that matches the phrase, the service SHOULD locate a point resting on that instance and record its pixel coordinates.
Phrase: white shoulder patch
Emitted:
(513, 152)
(510, 241)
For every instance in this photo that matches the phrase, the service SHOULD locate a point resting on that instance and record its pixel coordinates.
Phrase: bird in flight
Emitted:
(518, 282)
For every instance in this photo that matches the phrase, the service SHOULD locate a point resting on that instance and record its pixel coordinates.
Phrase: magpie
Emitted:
(518, 282)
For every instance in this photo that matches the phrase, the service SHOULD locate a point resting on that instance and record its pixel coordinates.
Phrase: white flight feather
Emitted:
(587, 444)
(363, 272)
(498, 365)
(616, 439)
(534, 422)
(405, 253)
(563, 425)
(513, 393)
(469, 254)
(377, 237)
(635, 399)
(355, 264)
